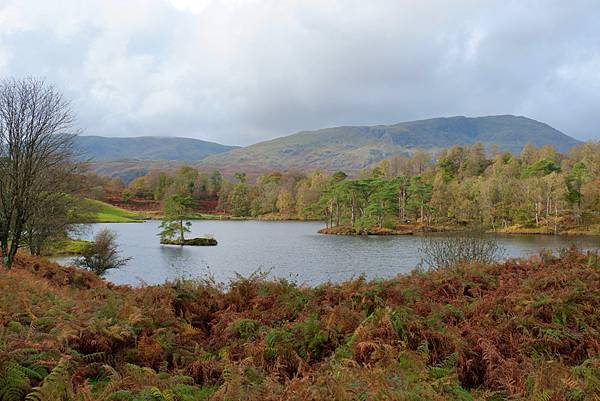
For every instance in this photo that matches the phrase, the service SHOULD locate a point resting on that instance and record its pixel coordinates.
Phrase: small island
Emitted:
(191, 242)
(173, 228)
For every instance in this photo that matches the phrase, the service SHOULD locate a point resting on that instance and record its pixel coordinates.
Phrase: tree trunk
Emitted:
(5, 258)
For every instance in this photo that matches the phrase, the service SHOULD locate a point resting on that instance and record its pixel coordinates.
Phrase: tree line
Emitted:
(462, 185)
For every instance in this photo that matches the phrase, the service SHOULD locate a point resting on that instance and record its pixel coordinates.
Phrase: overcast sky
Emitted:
(240, 71)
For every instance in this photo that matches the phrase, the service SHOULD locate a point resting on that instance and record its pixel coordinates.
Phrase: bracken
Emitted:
(522, 329)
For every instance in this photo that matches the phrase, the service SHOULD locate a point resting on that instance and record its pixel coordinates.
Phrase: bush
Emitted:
(451, 250)
(103, 254)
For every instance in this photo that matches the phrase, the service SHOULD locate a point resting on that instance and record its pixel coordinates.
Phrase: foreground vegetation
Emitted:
(516, 330)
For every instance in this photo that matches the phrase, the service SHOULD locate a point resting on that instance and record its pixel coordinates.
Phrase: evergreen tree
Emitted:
(176, 208)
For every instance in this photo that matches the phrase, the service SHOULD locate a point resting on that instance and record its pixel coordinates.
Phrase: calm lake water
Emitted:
(291, 250)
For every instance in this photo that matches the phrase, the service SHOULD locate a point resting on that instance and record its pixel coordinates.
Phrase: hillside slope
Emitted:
(100, 148)
(352, 148)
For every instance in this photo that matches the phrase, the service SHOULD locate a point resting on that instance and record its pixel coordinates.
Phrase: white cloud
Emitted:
(194, 6)
(238, 71)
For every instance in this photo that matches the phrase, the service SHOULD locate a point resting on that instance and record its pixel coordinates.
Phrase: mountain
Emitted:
(353, 148)
(99, 148)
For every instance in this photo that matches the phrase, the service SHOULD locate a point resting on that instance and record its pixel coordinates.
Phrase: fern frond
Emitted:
(168, 395)
(100, 357)
(544, 395)
(55, 387)
(450, 362)
(157, 394)
(14, 382)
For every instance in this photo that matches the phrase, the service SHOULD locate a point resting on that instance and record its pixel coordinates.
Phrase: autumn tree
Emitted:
(240, 197)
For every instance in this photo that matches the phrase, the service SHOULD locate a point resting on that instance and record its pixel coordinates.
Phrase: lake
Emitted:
(291, 250)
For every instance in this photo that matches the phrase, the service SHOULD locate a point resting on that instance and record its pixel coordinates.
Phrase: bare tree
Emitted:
(103, 254)
(36, 151)
(451, 250)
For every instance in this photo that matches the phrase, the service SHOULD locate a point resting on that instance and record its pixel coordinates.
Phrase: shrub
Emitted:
(451, 250)
(103, 254)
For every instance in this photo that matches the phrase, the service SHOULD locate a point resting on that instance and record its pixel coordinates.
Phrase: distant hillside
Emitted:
(353, 148)
(129, 169)
(100, 148)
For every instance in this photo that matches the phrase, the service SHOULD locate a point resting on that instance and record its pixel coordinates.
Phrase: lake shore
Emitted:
(593, 230)
(115, 214)
(353, 231)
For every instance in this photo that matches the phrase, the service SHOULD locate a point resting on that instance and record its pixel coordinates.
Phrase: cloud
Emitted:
(193, 6)
(239, 71)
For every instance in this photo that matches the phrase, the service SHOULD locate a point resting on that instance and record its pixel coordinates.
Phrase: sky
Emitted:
(242, 71)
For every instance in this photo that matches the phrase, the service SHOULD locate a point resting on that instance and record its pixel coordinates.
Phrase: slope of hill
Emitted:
(352, 148)
(100, 148)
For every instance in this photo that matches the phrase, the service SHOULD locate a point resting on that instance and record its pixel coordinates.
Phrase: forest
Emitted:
(538, 190)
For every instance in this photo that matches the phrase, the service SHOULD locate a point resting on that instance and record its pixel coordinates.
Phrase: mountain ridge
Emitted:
(355, 147)
(101, 148)
(348, 148)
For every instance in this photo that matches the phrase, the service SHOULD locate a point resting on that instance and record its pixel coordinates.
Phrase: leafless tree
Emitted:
(103, 254)
(36, 153)
(451, 250)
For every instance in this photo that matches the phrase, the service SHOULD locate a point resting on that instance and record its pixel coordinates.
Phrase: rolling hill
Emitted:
(353, 148)
(99, 148)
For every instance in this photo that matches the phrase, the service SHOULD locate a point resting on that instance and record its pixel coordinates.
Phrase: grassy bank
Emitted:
(66, 247)
(525, 330)
(104, 213)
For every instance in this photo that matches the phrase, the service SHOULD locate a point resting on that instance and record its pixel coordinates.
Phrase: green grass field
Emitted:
(105, 213)
(66, 247)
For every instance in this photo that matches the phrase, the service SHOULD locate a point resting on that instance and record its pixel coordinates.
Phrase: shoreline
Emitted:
(419, 229)
(376, 231)
(121, 215)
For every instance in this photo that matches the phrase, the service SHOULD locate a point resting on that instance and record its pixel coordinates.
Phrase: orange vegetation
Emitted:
(516, 330)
